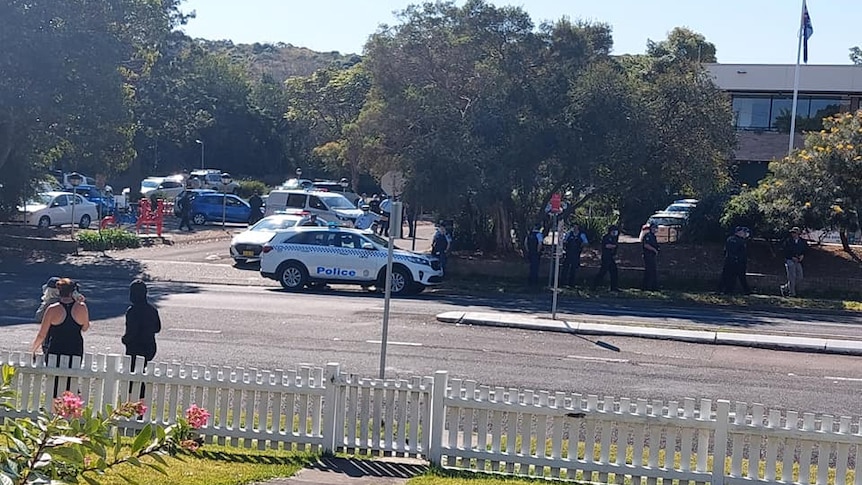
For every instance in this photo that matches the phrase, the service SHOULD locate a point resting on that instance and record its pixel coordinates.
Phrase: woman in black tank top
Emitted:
(63, 324)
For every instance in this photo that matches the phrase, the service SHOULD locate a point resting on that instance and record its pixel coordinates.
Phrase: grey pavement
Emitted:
(346, 471)
(693, 333)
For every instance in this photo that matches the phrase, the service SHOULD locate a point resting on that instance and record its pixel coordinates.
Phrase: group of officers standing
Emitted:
(573, 243)
(734, 268)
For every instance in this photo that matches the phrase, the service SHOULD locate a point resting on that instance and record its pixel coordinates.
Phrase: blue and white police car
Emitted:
(303, 256)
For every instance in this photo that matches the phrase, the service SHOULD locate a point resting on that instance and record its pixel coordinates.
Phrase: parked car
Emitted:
(328, 205)
(171, 188)
(63, 179)
(55, 209)
(208, 208)
(193, 193)
(305, 256)
(669, 225)
(211, 179)
(247, 246)
(682, 207)
(104, 200)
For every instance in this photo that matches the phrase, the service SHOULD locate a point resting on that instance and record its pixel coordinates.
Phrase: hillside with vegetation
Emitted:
(279, 61)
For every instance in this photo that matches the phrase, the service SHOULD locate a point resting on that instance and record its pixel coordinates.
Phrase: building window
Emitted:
(772, 113)
(751, 112)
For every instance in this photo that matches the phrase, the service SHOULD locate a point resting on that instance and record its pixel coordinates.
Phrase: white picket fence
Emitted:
(460, 424)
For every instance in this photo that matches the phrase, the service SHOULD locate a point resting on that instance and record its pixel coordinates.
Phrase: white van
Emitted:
(328, 205)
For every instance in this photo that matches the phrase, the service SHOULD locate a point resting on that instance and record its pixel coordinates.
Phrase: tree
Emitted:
(683, 43)
(328, 103)
(67, 74)
(818, 187)
(856, 55)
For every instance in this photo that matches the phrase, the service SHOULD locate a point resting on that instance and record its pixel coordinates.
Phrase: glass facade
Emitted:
(767, 112)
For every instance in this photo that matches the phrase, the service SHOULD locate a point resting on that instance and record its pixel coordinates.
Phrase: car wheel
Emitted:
(292, 276)
(44, 222)
(85, 221)
(401, 281)
(199, 219)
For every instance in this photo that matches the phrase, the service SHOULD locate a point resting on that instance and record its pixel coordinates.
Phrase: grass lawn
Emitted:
(443, 477)
(500, 286)
(214, 465)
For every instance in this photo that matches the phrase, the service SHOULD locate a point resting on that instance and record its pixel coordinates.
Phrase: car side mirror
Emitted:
(55, 204)
(368, 245)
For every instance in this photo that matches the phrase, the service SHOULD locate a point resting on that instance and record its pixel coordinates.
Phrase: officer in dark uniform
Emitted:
(533, 250)
(573, 244)
(256, 204)
(735, 262)
(649, 245)
(609, 254)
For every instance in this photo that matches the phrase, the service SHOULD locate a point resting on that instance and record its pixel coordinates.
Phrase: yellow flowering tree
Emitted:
(818, 186)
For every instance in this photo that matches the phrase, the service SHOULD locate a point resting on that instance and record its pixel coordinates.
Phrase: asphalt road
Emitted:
(257, 325)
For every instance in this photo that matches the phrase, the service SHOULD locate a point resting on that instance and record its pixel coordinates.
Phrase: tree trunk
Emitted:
(502, 228)
(7, 131)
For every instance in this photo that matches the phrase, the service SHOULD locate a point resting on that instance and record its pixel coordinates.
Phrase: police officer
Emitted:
(256, 204)
(649, 245)
(185, 206)
(735, 261)
(311, 221)
(366, 220)
(440, 245)
(573, 244)
(609, 252)
(533, 251)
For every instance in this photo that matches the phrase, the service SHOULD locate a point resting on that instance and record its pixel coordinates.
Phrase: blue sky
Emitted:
(744, 31)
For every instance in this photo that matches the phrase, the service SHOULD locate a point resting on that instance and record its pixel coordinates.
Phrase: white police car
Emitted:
(302, 256)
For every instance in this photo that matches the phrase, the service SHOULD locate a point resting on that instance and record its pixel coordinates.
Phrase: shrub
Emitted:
(249, 187)
(705, 220)
(111, 238)
(74, 442)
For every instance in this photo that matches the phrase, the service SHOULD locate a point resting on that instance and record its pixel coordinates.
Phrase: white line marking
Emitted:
(850, 379)
(597, 359)
(407, 344)
(194, 330)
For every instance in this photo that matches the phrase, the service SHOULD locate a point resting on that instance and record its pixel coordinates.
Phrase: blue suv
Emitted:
(208, 208)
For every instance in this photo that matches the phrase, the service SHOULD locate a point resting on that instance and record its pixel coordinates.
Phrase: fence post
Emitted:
(438, 416)
(110, 393)
(332, 383)
(719, 457)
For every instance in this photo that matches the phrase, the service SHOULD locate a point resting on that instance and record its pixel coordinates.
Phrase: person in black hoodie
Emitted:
(142, 325)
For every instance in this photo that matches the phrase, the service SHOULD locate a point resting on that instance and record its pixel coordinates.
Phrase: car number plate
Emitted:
(248, 253)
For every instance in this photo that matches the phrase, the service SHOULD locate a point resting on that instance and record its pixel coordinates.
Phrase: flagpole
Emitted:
(796, 80)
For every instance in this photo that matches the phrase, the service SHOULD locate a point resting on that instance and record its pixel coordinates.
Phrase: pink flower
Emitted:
(69, 405)
(197, 416)
(129, 409)
(190, 445)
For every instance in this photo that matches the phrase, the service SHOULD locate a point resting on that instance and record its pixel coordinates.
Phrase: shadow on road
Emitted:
(104, 282)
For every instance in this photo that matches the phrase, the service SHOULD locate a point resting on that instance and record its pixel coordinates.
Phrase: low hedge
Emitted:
(249, 187)
(111, 238)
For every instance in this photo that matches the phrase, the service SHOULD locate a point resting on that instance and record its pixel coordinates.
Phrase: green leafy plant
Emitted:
(76, 443)
(249, 187)
(110, 238)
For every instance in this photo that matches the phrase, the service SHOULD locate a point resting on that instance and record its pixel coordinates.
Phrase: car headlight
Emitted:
(418, 260)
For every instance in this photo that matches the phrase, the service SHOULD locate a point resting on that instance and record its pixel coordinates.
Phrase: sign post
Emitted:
(554, 208)
(558, 250)
(396, 212)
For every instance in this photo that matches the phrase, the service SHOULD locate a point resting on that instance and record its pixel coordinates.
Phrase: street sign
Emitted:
(556, 203)
(393, 182)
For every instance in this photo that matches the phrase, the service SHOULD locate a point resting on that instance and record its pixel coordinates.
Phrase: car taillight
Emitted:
(267, 248)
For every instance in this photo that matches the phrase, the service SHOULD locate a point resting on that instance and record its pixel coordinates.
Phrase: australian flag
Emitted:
(807, 31)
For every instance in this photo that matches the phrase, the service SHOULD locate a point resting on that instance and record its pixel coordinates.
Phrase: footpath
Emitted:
(819, 341)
